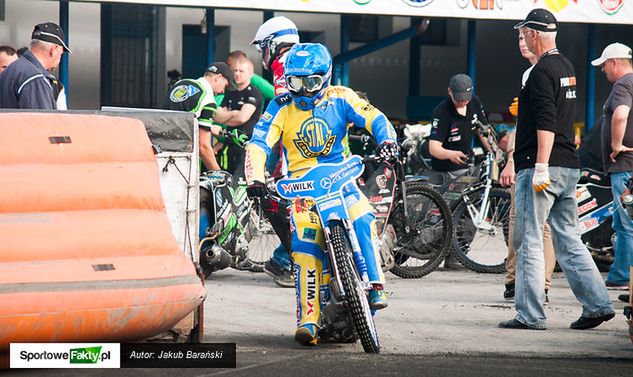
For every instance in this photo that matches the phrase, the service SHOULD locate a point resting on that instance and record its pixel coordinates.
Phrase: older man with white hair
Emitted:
(547, 167)
(26, 83)
(617, 154)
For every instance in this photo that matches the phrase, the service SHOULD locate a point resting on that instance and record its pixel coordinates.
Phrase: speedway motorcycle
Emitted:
(345, 314)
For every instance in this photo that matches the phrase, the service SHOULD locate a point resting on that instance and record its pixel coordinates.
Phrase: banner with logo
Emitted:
(122, 355)
(586, 11)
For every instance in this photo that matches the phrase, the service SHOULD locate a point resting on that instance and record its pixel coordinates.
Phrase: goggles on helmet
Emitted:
(310, 83)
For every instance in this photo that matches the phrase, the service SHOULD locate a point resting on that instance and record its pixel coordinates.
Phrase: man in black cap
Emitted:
(451, 132)
(547, 165)
(26, 84)
(450, 143)
(196, 96)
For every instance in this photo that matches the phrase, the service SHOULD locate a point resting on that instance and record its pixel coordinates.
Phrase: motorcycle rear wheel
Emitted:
(355, 295)
(423, 248)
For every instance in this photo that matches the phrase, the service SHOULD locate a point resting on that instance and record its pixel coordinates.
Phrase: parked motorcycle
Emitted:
(412, 219)
(595, 215)
(232, 230)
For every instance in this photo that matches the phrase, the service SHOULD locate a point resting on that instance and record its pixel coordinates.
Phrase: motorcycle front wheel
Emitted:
(354, 293)
(483, 248)
(424, 237)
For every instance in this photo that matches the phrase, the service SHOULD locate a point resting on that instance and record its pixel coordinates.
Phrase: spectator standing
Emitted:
(26, 83)
(507, 179)
(545, 148)
(240, 110)
(617, 157)
(7, 56)
(196, 96)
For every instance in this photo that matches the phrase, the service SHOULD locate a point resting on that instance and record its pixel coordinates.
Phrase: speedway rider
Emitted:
(273, 40)
(312, 122)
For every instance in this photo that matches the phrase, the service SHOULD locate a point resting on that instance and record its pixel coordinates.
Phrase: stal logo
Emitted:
(417, 3)
(362, 2)
(611, 6)
(314, 138)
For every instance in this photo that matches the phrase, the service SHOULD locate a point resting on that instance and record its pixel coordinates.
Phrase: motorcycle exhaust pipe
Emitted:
(217, 257)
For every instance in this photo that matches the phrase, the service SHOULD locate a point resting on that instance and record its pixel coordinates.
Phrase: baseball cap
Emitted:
(613, 51)
(223, 69)
(462, 87)
(539, 19)
(50, 32)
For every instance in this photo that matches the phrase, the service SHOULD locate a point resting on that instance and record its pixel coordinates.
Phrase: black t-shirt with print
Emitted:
(548, 102)
(454, 130)
(234, 100)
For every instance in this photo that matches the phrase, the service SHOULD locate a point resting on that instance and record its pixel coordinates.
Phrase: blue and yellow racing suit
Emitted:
(310, 138)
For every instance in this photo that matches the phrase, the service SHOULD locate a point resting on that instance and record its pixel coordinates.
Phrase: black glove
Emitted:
(388, 151)
(256, 189)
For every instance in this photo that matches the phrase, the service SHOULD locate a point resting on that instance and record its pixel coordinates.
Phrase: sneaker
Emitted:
(624, 297)
(546, 298)
(280, 275)
(306, 335)
(509, 292)
(616, 286)
(377, 298)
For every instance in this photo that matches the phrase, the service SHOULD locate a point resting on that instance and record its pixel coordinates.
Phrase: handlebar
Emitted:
(362, 138)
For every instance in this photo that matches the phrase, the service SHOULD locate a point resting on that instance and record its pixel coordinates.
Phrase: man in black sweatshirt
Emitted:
(547, 165)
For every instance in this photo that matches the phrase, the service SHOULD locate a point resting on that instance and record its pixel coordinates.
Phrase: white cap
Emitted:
(613, 51)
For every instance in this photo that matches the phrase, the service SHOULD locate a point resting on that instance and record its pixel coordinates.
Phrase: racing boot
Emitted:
(306, 335)
(377, 297)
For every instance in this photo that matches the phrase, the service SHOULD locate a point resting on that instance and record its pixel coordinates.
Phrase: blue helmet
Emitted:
(308, 70)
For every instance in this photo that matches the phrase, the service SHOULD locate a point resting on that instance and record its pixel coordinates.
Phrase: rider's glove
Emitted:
(514, 108)
(388, 151)
(541, 181)
(256, 189)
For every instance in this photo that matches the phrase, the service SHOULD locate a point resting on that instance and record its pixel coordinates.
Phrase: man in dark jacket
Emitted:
(26, 83)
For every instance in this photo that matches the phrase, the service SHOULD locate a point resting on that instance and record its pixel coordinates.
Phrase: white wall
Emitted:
(22, 15)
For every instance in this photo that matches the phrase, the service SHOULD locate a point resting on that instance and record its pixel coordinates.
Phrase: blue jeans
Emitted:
(557, 204)
(281, 257)
(623, 227)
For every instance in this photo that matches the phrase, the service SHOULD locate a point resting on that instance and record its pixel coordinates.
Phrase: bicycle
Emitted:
(481, 218)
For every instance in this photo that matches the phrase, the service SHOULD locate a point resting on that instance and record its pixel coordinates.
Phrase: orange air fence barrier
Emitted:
(86, 250)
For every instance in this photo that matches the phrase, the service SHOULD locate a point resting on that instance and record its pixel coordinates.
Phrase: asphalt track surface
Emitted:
(441, 325)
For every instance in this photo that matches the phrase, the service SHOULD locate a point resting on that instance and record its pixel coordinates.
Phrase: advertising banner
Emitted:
(584, 11)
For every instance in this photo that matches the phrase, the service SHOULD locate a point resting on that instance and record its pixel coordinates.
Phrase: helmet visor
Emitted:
(310, 83)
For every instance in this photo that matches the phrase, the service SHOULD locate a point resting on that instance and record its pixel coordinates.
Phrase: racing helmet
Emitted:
(272, 36)
(308, 71)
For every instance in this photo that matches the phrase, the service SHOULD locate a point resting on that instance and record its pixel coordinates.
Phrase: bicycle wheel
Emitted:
(425, 237)
(354, 293)
(483, 248)
(263, 239)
